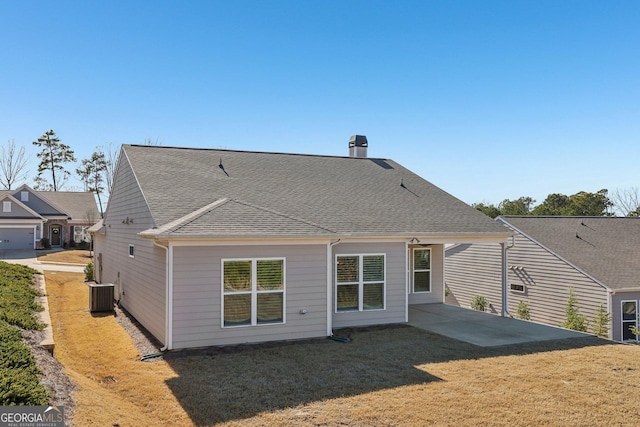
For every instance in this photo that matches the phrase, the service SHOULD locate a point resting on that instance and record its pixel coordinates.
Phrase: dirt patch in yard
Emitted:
(384, 376)
(113, 385)
(67, 256)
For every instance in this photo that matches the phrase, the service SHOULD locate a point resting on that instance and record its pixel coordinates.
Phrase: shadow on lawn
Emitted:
(230, 383)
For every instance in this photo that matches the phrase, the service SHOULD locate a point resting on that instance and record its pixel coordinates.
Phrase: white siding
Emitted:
(476, 270)
(140, 281)
(395, 285)
(197, 295)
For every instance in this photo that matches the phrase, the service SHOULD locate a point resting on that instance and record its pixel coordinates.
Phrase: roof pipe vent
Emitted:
(358, 146)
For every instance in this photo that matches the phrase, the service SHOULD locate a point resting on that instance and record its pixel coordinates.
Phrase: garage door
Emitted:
(16, 238)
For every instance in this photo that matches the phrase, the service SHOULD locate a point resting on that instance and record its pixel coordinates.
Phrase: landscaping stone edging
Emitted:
(44, 316)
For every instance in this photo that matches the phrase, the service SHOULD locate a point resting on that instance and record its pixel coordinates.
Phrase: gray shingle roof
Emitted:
(294, 194)
(80, 206)
(606, 248)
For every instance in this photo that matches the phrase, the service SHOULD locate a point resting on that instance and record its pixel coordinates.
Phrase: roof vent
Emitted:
(358, 146)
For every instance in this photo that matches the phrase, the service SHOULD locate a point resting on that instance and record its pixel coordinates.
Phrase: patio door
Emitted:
(56, 237)
(629, 319)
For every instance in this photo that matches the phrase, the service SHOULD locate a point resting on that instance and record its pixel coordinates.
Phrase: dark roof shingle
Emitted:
(606, 248)
(278, 193)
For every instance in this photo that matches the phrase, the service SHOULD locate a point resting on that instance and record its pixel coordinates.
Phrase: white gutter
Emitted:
(168, 313)
(330, 245)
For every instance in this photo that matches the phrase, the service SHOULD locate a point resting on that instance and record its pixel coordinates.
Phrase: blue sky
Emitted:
(488, 100)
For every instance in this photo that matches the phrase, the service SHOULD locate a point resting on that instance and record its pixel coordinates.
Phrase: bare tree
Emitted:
(12, 164)
(626, 201)
(149, 141)
(111, 156)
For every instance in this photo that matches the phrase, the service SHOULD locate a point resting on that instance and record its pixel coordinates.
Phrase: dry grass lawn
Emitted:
(67, 256)
(393, 376)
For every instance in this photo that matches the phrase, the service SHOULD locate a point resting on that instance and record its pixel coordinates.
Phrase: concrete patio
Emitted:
(482, 329)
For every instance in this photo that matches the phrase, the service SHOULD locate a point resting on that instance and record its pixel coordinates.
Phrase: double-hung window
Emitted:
(253, 291)
(629, 319)
(421, 270)
(360, 282)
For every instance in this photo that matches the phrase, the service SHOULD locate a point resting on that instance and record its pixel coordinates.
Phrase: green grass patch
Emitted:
(17, 296)
(19, 374)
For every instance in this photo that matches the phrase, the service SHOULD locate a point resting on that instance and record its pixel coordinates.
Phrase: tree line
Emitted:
(95, 172)
(601, 203)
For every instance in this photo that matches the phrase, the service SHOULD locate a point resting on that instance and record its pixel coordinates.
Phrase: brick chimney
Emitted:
(358, 146)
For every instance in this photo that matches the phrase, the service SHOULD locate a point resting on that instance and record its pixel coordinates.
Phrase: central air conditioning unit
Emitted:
(100, 297)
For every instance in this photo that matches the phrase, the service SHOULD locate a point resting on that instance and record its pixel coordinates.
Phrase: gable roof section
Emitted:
(72, 205)
(232, 218)
(79, 206)
(284, 194)
(605, 248)
(27, 212)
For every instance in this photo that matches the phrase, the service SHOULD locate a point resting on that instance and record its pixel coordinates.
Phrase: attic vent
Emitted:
(358, 146)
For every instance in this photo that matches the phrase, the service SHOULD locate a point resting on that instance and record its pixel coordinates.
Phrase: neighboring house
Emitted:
(214, 247)
(62, 217)
(598, 257)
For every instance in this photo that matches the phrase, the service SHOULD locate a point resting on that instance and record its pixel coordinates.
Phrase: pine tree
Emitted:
(53, 156)
(522, 312)
(602, 320)
(92, 174)
(574, 320)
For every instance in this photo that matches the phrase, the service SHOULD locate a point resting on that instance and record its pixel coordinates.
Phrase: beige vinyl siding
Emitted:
(140, 281)
(395, 285)
(616, 308)
(197, 308)
(472, 270)
(437, 276)
(475, 270)
(548, 280)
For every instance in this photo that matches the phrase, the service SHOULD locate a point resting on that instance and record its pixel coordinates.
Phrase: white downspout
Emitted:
(505, 277)
(330, 264)
(406, 281)
(168, 314)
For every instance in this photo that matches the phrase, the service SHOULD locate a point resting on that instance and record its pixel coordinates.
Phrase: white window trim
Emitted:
(360, 284)
(413, 271)
(83, 230)
(6, 206)
(622, 321)
(132, 251)
(516, 291)
(254, 292)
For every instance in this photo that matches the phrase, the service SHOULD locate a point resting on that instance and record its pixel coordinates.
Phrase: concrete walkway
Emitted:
(28, 258)
(482, 329)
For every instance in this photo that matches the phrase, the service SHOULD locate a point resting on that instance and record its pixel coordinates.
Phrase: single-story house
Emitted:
(213, 247)
(597, 257)
(62, 217)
